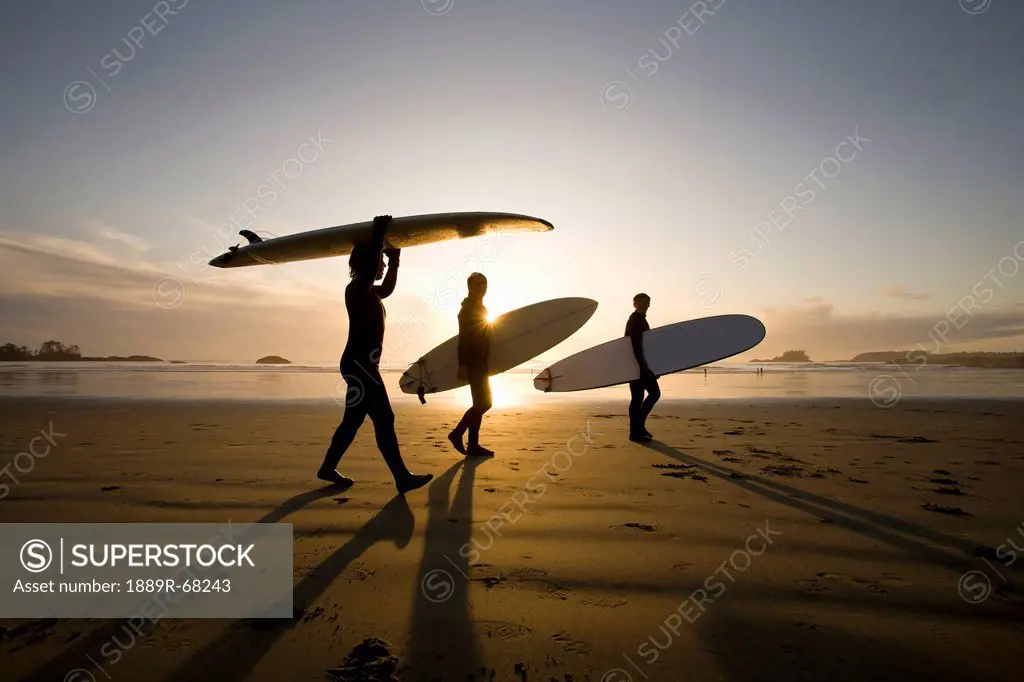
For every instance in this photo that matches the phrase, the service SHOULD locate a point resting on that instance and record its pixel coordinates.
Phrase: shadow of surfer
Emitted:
(442, 643)
(236, 652)
(947, 551)
(365, 393)
(87, 650)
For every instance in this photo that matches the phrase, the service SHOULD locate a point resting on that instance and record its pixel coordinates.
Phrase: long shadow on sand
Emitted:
(442, 642)
(234, 654)
(909, 537)
(244, 645)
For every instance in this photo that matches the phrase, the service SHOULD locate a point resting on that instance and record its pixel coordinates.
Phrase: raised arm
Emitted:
(387, 287)
(377, 239)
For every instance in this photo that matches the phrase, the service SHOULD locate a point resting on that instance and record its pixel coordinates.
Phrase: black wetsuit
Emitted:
(366, 394)
(640, 407)
(474, 353)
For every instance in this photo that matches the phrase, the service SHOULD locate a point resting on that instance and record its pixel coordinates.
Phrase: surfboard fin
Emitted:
(251, 236)
(419, 394)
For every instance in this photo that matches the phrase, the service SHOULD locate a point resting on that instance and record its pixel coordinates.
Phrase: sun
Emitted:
(499, 302)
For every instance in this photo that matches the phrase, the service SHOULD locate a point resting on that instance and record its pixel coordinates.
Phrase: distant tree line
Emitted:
(49, 350)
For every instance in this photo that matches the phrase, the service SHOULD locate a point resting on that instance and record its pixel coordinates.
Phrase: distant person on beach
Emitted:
(639, 406)
(474, 353)
(366, 394)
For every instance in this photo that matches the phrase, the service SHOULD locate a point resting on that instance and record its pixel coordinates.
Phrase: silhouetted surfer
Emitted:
(366, 394)
(474, 352)
(639, 406)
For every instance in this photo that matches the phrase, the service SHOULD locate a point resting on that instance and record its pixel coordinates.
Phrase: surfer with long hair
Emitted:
(366, 394)
(639, 406)
(474, 353)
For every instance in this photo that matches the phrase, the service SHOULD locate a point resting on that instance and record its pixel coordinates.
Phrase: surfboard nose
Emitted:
(226, 260)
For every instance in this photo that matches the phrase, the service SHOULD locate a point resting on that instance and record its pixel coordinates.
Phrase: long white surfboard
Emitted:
(516, 337)
(403, 232)
(668, 349)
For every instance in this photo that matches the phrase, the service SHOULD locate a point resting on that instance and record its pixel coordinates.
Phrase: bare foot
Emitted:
(479, 451)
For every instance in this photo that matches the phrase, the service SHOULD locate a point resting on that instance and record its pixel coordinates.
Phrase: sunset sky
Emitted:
(660, 145)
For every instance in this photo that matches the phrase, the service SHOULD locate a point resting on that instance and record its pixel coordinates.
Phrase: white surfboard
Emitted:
(403, 232)
(668, 349)
(516, 337)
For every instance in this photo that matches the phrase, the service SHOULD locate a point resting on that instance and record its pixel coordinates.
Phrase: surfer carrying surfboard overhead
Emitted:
(366, 394)
(474, 353)
(639, 406)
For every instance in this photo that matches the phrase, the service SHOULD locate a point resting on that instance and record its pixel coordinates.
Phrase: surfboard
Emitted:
(668, 349)
(403, 232)
(516, 337)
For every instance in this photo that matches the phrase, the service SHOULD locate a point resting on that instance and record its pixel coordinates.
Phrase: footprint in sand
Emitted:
(875, 586)
(805, 622)
(552, 591)
(813, 586)
(786, 470)
(686, 474)
(603, 602)
(636, 526)
(527, 573)
(569, 645)
(942, 509)
(500, 629)
(682, 567)
(723, 452)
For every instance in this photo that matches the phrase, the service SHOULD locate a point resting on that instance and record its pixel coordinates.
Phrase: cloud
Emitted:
(104, 231)
(74, 292)
(898, 291)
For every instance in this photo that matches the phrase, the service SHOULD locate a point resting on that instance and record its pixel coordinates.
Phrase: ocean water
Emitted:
(884, 384)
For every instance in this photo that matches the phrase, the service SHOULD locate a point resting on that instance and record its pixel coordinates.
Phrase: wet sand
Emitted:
(750, 541)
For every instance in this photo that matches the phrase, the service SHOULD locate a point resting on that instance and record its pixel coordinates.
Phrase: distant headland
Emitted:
(917, 357)
(788, 356)
(273, 360)
(55, 351)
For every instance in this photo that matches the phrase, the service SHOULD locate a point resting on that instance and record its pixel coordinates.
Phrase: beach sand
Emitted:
(825, 536)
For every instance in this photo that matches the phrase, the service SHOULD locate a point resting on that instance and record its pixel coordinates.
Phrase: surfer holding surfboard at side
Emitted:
(474, 353)
(639, 406)
(359, 362)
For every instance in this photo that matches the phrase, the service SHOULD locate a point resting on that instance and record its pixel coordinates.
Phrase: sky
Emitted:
(848, 172)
